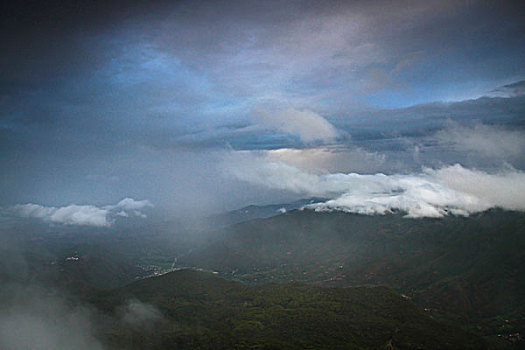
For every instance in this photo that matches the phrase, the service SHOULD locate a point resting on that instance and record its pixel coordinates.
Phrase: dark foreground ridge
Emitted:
(198, 310)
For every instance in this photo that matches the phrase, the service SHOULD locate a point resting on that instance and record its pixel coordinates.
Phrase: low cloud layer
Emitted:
(138, 314)
(431, 193)
(306, 124)
(83, 215)
(40, 320)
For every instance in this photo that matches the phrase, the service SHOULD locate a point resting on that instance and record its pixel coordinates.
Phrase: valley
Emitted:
(463, 271)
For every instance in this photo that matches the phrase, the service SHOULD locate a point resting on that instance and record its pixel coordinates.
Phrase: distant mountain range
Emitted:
(259, 212)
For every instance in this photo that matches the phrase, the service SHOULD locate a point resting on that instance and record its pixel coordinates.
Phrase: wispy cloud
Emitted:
(140, 315)
(83, 215)
(510, 90)
(324, 159)
(486, 140)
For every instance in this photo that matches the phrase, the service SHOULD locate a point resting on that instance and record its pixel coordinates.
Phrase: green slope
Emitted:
(96, 266)
(202, 311)
(465, 269)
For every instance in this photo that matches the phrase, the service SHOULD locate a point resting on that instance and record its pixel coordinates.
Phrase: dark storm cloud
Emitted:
(312, 43)
(102, 100)
(40, 39)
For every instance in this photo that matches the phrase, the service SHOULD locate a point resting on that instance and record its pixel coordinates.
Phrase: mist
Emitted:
(36, 318)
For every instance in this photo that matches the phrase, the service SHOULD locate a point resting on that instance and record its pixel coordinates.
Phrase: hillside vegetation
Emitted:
(200, 311)
(469, 270)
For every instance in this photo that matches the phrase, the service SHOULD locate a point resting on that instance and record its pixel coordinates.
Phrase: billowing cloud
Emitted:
(431, 193)
(306, 124)
(83, 215)
(86, 215)
(504, 189)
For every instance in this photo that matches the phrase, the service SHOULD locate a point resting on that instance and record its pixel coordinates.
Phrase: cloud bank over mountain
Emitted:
(431, 193)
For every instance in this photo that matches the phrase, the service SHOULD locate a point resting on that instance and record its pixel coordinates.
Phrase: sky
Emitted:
(111, 109)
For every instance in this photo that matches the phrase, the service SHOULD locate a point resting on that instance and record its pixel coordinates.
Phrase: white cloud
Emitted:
(82, 215)
(432, 193)
(417, 195)
(504, 189)
(306, 124)
(33, 210)
(85, 215)
(129, 204)
(486, 140)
